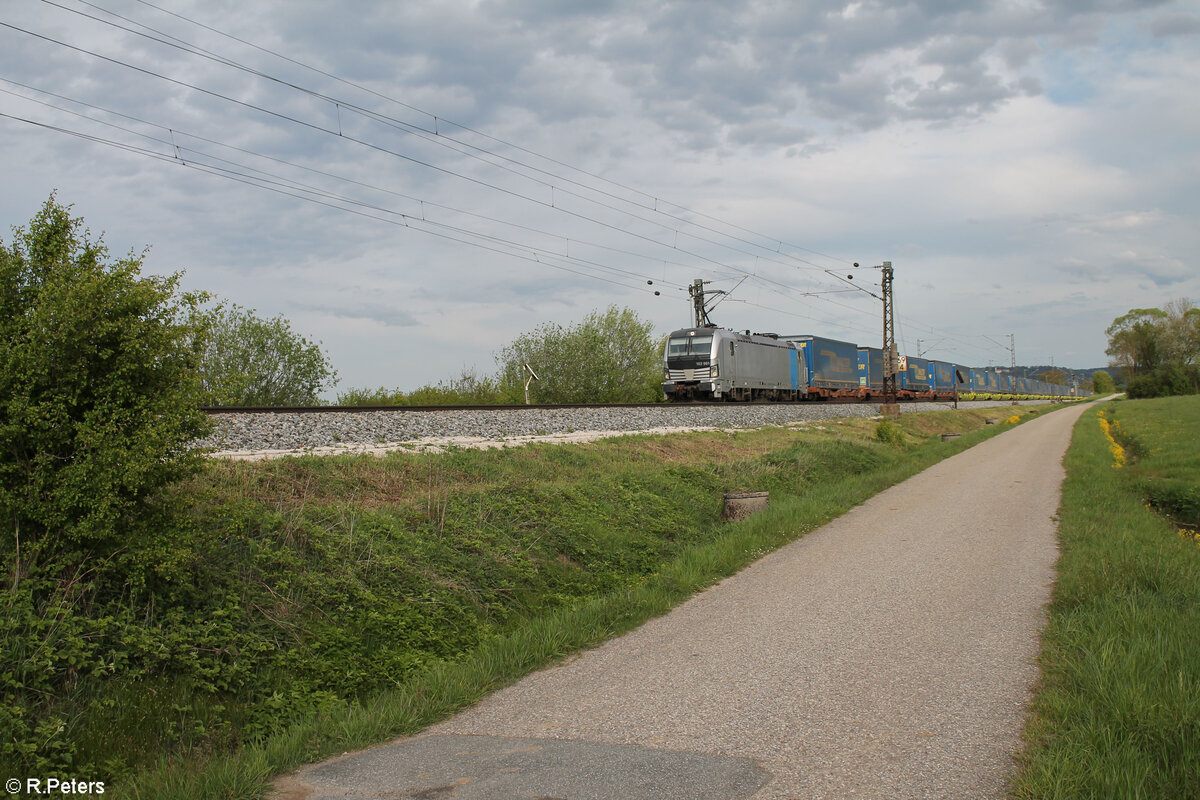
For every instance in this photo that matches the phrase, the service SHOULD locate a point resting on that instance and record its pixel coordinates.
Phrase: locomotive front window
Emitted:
(689, 346)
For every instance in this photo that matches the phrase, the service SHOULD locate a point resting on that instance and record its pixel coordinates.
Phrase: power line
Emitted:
(435, 136)
(440, 138)
(654, 200)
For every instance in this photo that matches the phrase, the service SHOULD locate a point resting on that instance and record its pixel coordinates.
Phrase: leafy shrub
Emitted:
(468, 389)
(250, 361)
(889, 432)
(98, 402)
(1173, 379)
(98, 393)
(609, 357)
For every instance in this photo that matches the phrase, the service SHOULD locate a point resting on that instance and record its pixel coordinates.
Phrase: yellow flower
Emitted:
(1113, 445)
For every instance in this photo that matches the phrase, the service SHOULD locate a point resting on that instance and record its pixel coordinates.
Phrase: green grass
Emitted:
(315, 605)
(1118, 711)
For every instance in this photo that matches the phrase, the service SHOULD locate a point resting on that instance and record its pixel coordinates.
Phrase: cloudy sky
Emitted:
(417, 183)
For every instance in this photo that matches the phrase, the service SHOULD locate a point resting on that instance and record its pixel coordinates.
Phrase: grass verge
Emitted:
(1118, 711)
(315, 605)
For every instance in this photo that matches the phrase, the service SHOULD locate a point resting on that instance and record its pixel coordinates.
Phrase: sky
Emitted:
(416, 184)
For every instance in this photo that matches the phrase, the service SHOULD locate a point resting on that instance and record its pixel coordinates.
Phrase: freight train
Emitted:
(719, 364)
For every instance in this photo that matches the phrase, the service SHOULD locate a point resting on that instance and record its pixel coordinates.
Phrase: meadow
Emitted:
(1117, 714)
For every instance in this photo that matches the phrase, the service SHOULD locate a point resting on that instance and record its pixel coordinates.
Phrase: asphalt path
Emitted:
(889, 654)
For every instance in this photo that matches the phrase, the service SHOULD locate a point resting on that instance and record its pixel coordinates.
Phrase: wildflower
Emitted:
(1113, 445)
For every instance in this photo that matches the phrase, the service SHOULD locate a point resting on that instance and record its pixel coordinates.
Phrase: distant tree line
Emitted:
(1156, 351)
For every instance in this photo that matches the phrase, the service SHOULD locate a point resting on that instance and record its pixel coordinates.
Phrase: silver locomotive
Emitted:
(718, 364)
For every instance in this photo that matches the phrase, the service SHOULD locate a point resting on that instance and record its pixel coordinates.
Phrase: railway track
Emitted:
(695, 404)
(250, 432)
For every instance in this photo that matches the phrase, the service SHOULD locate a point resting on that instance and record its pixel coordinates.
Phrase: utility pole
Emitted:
(889, 407)
(1012, 354)
(1012, 351)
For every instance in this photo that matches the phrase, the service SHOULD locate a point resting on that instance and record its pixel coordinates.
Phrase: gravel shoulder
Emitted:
(265, 435)
(889, 654)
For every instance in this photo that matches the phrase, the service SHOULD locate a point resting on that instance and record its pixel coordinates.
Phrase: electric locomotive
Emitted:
(719, 364)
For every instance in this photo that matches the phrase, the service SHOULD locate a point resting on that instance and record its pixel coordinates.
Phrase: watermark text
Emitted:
(48, 787)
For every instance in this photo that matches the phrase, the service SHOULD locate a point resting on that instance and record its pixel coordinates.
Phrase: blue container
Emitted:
(962, 378)
(870, 368)
(916, 376)
(948, 377)
(831, 364)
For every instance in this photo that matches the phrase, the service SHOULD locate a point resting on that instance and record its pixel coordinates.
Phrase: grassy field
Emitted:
(316, 605)
(1118, 711)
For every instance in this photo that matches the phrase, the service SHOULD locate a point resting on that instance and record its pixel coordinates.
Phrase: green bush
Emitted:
(609, 357)
(98, 393)
(98, 403)
(889, 432)
(1166, 381)
(250, 361)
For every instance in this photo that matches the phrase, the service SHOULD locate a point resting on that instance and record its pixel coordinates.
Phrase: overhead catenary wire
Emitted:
(321, 129)
(339, 104)
(439, 139)
(654, 200)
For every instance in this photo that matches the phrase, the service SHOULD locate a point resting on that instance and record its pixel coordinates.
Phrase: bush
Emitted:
(98, 392)
(889, 432)
(250, 361)
(98, 404)
(609, 357)
(1173, 379)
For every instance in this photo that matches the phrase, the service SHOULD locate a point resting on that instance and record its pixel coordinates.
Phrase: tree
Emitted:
(250, 361)
(98, 391)
(1054, 376)
(1135, 340)
(1102, 382)
(609, 357)
(1180, 333)
(1158, 349)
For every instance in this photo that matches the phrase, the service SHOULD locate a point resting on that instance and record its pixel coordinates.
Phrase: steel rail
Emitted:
(217, 410)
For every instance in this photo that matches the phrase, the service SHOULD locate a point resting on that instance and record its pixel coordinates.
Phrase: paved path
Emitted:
(889, 654)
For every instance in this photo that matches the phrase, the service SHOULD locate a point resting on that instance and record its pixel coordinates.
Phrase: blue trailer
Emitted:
(832, 365)
(915, 376)
(870, 369)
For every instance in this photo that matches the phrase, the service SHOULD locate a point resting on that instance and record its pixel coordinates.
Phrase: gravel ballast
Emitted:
(251, 435)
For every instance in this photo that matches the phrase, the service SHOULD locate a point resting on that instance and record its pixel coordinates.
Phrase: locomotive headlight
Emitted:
(714, 371)
(666, 374)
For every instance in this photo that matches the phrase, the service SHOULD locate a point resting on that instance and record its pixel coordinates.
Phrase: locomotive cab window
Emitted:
(689, 346)
(730, 347)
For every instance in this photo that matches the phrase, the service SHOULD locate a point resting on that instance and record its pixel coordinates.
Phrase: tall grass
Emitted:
(1118, 711)
(321, 604)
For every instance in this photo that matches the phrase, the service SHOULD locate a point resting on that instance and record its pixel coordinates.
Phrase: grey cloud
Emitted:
(1169, 25)
(1163, 271)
